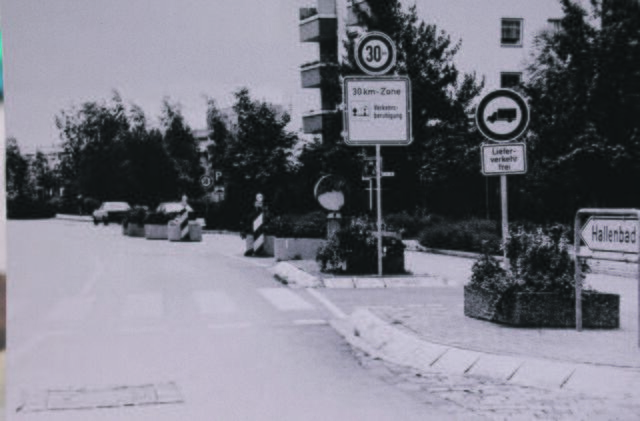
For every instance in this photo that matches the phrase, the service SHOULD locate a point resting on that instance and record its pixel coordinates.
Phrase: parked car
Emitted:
(110, 212)
(172, 208)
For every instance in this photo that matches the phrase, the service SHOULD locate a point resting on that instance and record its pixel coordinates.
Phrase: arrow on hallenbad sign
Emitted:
(611, 234)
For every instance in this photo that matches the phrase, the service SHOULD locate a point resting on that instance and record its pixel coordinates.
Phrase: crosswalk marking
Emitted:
(148, 305)
(71, 309)
(214, 302)
(285, 300)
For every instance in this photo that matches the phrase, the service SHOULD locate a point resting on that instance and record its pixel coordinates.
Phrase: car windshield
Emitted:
(115, 206)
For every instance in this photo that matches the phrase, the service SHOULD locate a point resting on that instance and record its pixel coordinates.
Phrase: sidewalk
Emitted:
(437, 336)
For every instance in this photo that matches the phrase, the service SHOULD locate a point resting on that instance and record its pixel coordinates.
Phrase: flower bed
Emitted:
(542, 309)
(538, 290)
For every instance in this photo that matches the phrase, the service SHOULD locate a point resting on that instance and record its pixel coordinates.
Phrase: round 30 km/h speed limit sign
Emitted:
(502, 115)
(375, 53)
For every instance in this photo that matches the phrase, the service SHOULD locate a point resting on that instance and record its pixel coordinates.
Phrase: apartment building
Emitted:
(496, 38)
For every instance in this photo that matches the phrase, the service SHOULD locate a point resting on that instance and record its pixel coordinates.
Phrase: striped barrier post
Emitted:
(255, 240)
(183, 220)
(258, 234)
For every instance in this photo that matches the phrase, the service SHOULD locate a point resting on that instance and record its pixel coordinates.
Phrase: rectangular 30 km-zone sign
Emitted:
(377, 110)
(504, 158)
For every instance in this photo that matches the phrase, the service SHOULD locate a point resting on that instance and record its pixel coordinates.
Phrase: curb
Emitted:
(378, 338)
(78, 218)
(293, 276)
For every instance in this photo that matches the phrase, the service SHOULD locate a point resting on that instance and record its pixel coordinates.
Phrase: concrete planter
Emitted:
(134, 230)
(195, 231)
(542, 309)
(156, 232)
(296, 248)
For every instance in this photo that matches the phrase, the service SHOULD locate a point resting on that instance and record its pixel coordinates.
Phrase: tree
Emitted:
(584, 92)
(17, 171)
(93, 142)
(255, 155)
(182, 149)
(444, 152)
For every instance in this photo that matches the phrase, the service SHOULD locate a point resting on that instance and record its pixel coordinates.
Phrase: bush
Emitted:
(408, 225)
(355, 247)
(24, 207)
(539, 262)
(90, 204)
(137, 215)
(158, 218)
(310, 225)
(474, 235)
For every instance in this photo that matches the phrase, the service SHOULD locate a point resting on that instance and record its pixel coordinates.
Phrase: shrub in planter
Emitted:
(539, 288)
(354, 250)
(134, 220)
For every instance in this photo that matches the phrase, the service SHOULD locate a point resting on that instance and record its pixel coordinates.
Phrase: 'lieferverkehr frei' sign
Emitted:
(610, 234)
(377, 110)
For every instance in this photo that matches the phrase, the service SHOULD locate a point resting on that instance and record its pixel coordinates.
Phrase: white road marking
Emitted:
(309, 322)
(333, 309)
(71, 309)
(233, 325)
(93, 279)
(148, 305)
(285, 300)
(214, 302)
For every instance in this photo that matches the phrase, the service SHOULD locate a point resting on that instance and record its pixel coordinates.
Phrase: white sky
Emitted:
(63, 52)
(59, 53)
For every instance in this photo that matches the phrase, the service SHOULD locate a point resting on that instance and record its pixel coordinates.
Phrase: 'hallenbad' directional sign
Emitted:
(377, 110)
(502, 115)
(611, 234)
(504, 158)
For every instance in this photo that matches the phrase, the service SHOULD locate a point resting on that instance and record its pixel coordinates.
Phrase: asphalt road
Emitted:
(105, 327)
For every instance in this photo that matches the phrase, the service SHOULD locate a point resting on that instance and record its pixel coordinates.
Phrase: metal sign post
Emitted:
(377, 109)
(607, 230)
(502, 116)
(379, 200)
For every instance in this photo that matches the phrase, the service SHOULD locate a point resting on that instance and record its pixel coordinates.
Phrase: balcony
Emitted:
(314, 75)
(318, 27)
(352, 17)
(316, 122)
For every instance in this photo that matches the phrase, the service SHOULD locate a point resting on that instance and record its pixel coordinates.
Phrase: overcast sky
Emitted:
(62, 52)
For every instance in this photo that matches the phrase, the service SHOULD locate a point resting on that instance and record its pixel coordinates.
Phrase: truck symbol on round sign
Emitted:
(503, 114)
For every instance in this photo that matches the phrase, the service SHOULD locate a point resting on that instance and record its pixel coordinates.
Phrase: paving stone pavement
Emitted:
(477, 398)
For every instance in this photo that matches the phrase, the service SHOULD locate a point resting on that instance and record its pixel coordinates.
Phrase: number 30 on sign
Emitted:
(375, 53)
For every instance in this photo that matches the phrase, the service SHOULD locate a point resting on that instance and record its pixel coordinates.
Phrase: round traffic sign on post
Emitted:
(375, 53)
(502, 115)
(206, 181)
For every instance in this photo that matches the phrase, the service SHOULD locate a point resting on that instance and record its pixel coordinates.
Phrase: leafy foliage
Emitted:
(539, 262)
(354, 247)
(584, 92)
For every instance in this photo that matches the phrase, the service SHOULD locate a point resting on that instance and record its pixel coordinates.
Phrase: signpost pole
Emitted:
(578, 273)
(638, 222)
(371, 194)
(505, 220)
(379, 205)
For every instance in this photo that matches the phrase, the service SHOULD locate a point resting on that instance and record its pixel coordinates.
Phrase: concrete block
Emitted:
(369, 282)
(543, 373)
(499, 367)
(338, 283)
(605, 381)
(456, 361)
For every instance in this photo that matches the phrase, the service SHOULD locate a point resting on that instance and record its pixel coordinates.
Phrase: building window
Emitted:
(510, 79)
(511, 33)
(554, 24)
